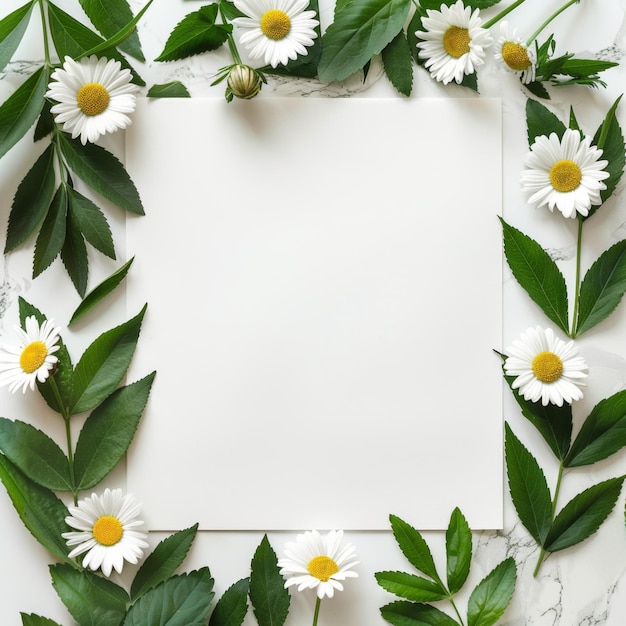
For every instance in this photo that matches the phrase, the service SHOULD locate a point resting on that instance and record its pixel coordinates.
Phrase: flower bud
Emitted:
(244, 82)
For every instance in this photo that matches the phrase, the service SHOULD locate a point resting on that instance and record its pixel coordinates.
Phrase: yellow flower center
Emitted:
(275, 24)
(322, 568)
(33, 356)
(107, 530)
(515, 56)
(92, 99)
(565, 175)
(456, 41)
(547, 367)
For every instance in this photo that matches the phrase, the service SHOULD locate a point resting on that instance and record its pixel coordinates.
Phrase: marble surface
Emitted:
(582, 586)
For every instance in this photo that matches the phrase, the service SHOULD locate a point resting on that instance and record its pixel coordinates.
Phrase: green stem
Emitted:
(579, 241)
(502, 13)
(44, 29)
(555, 14)
(456, 610)
(316, 614)
(232, 46)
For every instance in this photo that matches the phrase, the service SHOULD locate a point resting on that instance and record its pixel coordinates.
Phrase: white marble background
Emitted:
(582, 586)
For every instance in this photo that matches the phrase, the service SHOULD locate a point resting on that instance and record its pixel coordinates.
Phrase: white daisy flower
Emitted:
(454, 42)
(93, 97)
(313, 561)
(276, 30)
(547, 368)
(33, 359)
(566, 173)
(514, 55)
(105, 531)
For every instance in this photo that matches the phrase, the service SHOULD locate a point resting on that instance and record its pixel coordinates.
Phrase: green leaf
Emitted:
(92, 223)
(99, 292)
(40, 510)
(163, 561)
(602, 288)
(602, 434)
(541, 121)
(108, 432)
(413, 546)
(103, 364)
(269, 598)
(410, 614)
(32, 200)
(111, 16)
(102, 172)
(63, 377)
(36, 620)
(91, 600)
(553, 422)
(52, 234)
(35, 454)
(528, 487)
(196, 33)
(21, 109)
(492, 595)
(179, 601)
(362, 28)
(12, 29)
(583, 515)
(414, 25)
(175, 89)
(74, 255)
(458, 551)
(537, 274)
(537, 89)
(45, 123)
(410, 586)
(398, 64)
(232, 607)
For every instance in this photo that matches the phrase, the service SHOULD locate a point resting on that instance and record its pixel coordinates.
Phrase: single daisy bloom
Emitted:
(514, 55)
(566, 173)
(33, 359)
(105, 530)
(546, 367)
(93, 97)
(454, 42)
(276, 30)
(313, 561)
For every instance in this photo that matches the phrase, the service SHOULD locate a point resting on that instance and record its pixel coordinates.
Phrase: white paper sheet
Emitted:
(323, 279)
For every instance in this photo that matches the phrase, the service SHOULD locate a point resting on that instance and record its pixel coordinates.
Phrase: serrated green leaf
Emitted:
(541, 121)
(413, 546)
(196, 33)
(35, 454)
(410, 586)
(92, 223)
(103, 364)
(179, 601)
(232, 607)
(161, 564)
(99, 292)
(602, 434)
(602, 288)
(91, 600)
(36, 620)
(362, 28)
(110, 17)
(398, 64)
(583, 515)
(404, 613)
(45, 123)
(492, 595)
(21, 109)
(537, 274)
(12, 29)
(175, 89)
(32, 200)
(108, 432)
(528, 487)
(40, 510)
(458, 551)
(102, 171)
(268, 596)
(74, 255)
(52, 234)
(414, 25)
(537, 89)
